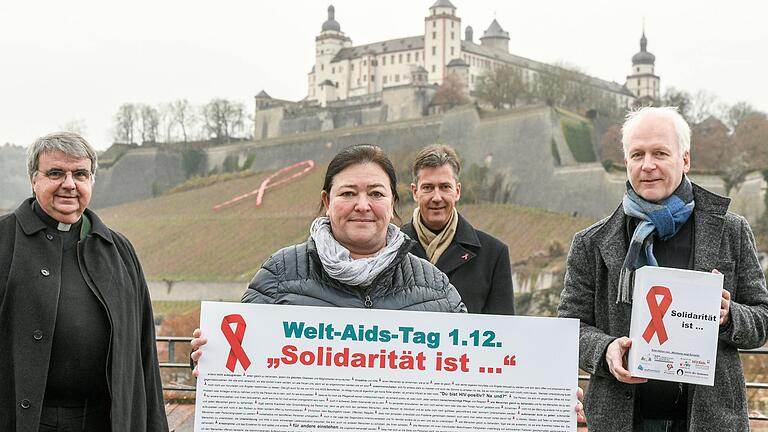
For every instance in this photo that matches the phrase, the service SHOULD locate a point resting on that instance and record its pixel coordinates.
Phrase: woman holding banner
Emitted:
(354, 257)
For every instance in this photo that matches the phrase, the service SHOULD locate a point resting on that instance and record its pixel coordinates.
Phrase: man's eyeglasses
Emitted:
(56, 175)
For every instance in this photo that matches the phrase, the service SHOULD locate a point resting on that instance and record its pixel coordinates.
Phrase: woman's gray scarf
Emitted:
(338, 263)
(662, 220)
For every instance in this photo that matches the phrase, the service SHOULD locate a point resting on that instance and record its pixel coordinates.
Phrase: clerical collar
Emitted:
(51, 222)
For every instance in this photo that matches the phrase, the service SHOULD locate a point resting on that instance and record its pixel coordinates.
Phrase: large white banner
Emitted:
(297, 368)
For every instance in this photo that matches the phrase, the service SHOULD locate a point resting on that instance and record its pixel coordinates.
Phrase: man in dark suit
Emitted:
(476, 263)
(664, 220)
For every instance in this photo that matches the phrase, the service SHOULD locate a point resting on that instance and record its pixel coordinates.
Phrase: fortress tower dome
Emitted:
(495, 37)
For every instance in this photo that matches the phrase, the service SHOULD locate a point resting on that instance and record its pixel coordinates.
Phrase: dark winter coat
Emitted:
(477, 264)
(723, 241)
(30, 279)
(295, 276)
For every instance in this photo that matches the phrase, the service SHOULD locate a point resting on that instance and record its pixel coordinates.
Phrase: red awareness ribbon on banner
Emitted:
(657, 313)
(235, 339)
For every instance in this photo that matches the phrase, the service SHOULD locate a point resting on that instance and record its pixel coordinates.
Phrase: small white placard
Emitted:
(675, 323)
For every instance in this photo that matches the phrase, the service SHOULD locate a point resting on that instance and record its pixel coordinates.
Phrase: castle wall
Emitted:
(748, 199)
(14, 183)
(266, 123)
(139, 174)
(405, 102)
(517, 145)
(322, 146)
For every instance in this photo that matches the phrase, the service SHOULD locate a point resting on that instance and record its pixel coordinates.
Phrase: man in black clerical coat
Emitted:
(75, 314)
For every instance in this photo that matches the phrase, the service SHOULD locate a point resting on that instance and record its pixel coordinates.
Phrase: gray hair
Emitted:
(69, 143)
(671, 113)
(435, 156)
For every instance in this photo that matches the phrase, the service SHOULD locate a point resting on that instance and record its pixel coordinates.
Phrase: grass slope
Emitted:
(179, 237)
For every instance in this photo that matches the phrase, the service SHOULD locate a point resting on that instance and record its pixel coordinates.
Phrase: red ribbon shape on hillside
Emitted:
(235, 339)
(268, 184)
(657, 313)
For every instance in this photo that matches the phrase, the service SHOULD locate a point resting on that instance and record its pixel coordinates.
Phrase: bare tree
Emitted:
(452, 92)
(236, 119)
(735, 114)
(223, 119)
(166, 123)
(183, 115)
(703, 105)
(76, 125)
(750, 138)
(148, 124)
(125, 123)
(216, 118)
(502, 86)
(552, 84)
(678, 98)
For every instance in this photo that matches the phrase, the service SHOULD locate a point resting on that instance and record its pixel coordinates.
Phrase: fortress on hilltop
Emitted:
(397, 79)
(536, 154)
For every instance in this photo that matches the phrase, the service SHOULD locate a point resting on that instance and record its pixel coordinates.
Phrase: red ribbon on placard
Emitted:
(235, 339)
(657, 313)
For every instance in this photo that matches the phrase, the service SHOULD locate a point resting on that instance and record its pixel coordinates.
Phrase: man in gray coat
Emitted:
(694, 231)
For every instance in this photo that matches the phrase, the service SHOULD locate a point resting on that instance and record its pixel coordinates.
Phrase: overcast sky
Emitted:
(65, 60)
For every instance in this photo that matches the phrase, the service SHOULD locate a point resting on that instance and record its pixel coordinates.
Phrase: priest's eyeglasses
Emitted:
(57, 175)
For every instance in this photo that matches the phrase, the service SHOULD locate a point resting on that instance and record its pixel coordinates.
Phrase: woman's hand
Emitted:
(197, 343)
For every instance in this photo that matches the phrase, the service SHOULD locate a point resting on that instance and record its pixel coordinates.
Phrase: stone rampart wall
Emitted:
(518, 145)
(139, 174)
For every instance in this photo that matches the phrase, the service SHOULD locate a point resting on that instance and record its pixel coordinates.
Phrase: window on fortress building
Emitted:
(365, 62)
(451, 33)
(333, 70)
(434, 23)
(434, 35)
(433, 68)
(373, 78)
(400, 58)
(351, 67)
(451, 51)
(322, 66)
(408, 57)
(392, 59)
(365, 78)
(397, 77)
(434, 50)
(384, 79)
(374, 63)
(417, 56)
(384, 61)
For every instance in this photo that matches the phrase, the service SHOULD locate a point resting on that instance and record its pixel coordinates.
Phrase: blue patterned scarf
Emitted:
(662, 220)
